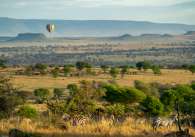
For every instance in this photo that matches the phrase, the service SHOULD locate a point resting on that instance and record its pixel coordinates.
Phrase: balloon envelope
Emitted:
(50, 27)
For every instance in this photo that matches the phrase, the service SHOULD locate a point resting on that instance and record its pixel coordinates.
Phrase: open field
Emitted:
(168, 76)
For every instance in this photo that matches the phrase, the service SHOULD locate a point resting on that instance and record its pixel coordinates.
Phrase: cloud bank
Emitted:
(180, 11)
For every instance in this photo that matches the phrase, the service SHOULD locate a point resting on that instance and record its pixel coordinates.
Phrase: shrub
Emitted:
(2, 63)
(104, 68)
(6, 87)
(143, 65)
(148, 89)
(73, 88)
(27, 112)
(183, 90)
(55, 72)
(8, 104)
(168, 98)
(116, 110)
(152, 106)
(132, 95)
(81, 65)
(58, 93)
(193, 85)
(185, 96)
(114, 72)
(115, 94)
(124, 70)
(42, 94)
(57, 107)
(192, 69)
(67, 70)
(89, 69)
(41, 68)
(156, 70)
(188, 104)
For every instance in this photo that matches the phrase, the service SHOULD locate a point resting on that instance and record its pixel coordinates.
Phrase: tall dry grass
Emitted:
(104, 128)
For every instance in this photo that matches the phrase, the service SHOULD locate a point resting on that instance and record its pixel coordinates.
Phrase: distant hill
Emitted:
(190, 33)
(124, 37)
(38, 37)
(120, 38)
(4, 38)
(89, 28)
(29, 37)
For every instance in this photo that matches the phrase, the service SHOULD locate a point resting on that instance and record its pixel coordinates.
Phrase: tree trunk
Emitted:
(178, 115)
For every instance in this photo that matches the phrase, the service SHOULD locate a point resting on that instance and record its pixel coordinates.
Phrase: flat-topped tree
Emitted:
(80, 65)
(145, 65)
(124, 70)
(114, 72)
(104, 68)
(67, 70)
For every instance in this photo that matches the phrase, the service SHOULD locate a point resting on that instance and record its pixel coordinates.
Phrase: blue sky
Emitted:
(171, 11)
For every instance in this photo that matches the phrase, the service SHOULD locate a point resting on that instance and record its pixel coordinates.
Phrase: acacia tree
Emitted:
(88, 68)
(156, 70)
(42, 68)
(8, 103)
(80, 65)
(104, 68)
(42, 94)
(67, 70)
(114, 72)
(145, 65)
(124, 70)
(55, 72)
(9, 99)
(6, 87)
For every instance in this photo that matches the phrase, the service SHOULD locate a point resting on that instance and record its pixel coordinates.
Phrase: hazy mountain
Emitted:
(72, 28)
(29, 37)
(5, 38)
(190, 33)
(38, 37)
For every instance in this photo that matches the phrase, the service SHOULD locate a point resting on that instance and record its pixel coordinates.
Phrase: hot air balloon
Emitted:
(50, 27)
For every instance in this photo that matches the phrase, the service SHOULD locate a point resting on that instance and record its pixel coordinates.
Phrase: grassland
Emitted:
(30, 83)
(104, 128)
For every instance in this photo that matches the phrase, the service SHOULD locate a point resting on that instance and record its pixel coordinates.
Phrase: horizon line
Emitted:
(97, 20)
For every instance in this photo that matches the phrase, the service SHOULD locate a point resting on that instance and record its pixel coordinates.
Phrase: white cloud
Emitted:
(148, 10)
(92, 3)
(133, 3)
